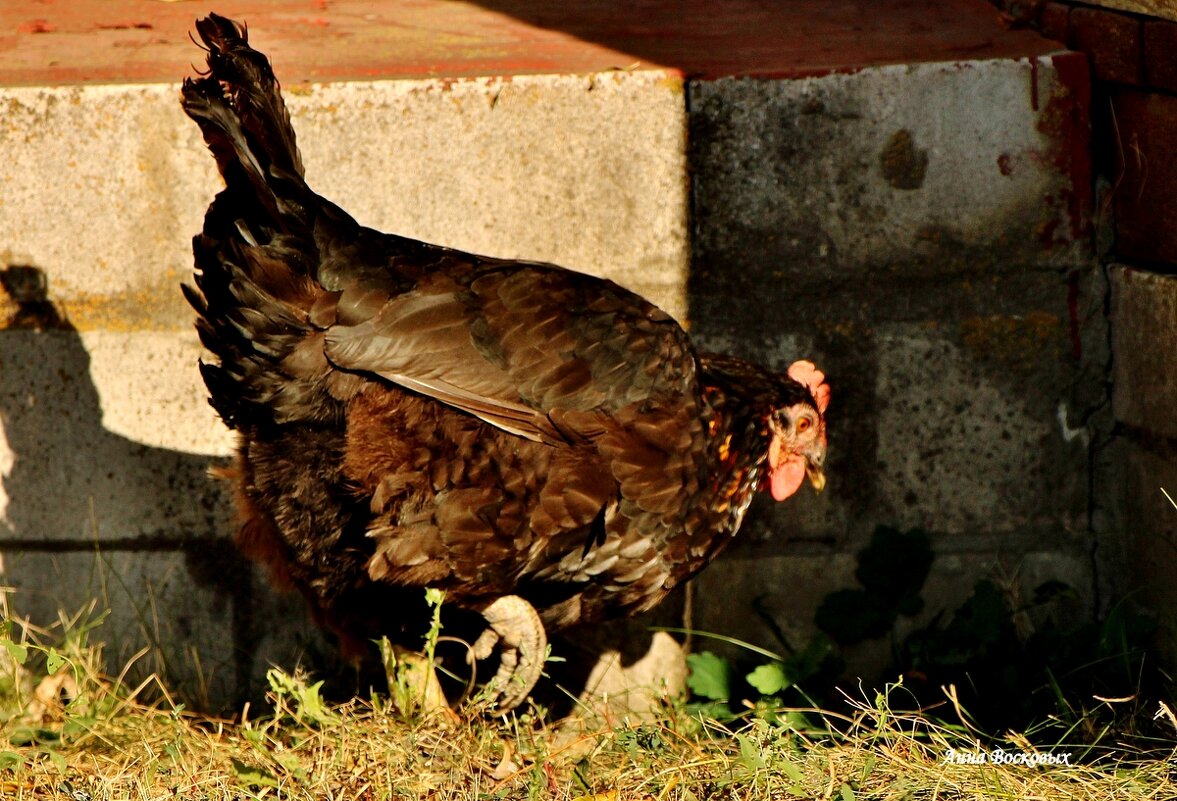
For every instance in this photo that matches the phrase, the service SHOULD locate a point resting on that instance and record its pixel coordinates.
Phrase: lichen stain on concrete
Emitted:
(1019, 344)
(673, 82)
(157, 306)
(904, 165)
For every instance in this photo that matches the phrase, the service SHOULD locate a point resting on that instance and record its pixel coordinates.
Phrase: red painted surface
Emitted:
(100, 41)
(1160, 54)
(1146, 178)
(1111, 40)
(1053, 19)
(1066, 123)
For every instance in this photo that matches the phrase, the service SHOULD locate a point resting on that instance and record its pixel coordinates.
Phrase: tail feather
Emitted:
(241, 82)
(256, 257)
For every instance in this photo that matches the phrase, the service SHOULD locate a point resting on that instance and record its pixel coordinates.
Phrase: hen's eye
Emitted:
(803, 425)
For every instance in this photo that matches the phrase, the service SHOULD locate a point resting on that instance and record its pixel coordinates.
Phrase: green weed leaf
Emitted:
(25, 736)
(751, 754)
(251, 776)
(53, 661)
(314, 708)
(711, 676)
(57, 760)
(78, 724)
(769, 679)
(310, 709)
(789, 769)
(18, 652)
(291, 764)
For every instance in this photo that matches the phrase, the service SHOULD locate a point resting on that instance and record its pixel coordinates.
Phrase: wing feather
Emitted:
(521, 348)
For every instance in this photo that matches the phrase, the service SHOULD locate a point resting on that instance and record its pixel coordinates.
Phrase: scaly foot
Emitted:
(514, 626)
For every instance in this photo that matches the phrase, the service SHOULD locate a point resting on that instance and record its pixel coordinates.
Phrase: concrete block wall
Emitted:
(922, 232)
(917, 225)
(1134, 114)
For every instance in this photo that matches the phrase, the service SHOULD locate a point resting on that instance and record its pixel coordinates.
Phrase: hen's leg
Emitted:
(514, 626)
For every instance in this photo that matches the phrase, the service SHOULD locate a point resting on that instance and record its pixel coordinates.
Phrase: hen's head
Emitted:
(798, 445)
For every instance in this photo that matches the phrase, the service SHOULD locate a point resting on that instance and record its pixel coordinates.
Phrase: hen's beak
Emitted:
(817, 477)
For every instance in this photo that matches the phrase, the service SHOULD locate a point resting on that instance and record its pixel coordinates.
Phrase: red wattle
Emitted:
(786, 477)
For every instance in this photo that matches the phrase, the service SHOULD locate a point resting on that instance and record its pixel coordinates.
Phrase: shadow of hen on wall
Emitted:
(87, 514)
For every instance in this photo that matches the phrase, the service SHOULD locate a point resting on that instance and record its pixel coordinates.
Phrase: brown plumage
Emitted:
(413, 416)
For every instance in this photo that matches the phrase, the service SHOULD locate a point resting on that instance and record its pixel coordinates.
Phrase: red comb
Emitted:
(805, 372)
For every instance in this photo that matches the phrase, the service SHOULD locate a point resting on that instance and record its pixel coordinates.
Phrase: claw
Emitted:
(515, 627)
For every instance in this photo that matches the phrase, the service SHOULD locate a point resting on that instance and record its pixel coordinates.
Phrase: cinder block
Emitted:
(1148, 529)
(777, 596)
(969, 429)
(959, 408)
(97, 445)
(104, 186)
(179, 603)
(968, 426)
(585, 171)
(277, 630)
(928, 169)
(954, 576)
(1160, 43)
(212, 623)
(1146, 219)
(766, 597)
(1144, 330)
(1113, 41)
(936, 310)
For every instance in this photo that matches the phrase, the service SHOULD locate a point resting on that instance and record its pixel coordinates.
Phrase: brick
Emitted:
(1112, 41)
(1144, 328)
(1145, 177)
(1160, 44)
(1053, 19)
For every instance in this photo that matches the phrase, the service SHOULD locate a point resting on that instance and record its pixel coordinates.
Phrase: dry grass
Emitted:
(69, 733)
